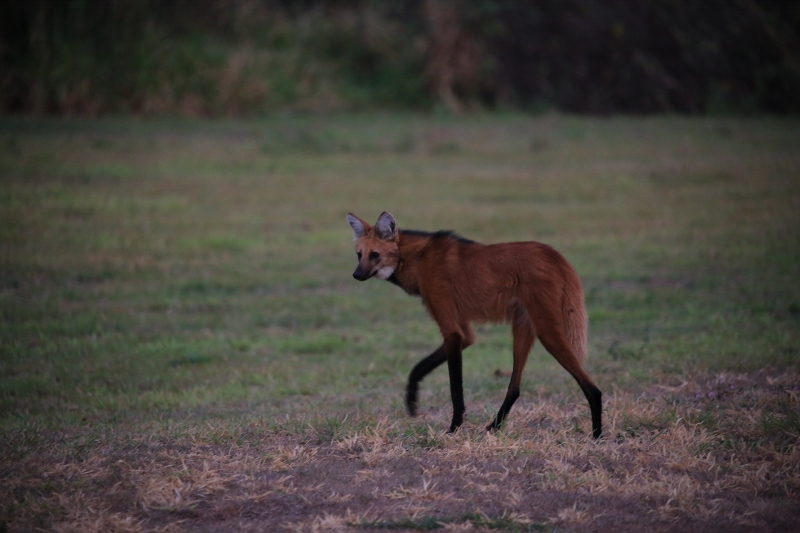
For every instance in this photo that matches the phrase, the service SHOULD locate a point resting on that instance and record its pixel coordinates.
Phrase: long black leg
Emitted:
(452, 347)
(511, 397)
(558, 348)
(420, 370)
(595, 398)
(524, 337)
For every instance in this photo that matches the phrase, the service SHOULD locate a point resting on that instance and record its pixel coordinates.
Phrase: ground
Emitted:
(184, 349)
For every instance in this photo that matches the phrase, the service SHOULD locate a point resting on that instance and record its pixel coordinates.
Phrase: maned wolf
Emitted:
(528, 284)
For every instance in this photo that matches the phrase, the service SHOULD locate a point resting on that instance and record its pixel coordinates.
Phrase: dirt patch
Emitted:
(716, 453)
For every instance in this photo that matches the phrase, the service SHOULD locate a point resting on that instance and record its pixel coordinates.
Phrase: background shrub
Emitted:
(244, 57)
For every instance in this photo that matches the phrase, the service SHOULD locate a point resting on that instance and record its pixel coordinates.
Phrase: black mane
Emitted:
(441, 234)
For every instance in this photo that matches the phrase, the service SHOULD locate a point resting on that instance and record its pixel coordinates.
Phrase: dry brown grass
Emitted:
(696, 456)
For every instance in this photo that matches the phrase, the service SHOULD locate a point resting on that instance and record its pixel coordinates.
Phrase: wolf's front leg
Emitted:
(452, 348)
(418, 373)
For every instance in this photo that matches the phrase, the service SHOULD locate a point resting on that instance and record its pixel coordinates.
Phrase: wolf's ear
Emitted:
(386, 227)
(360, 227)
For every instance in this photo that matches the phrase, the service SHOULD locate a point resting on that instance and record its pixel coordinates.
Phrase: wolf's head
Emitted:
(376, 247)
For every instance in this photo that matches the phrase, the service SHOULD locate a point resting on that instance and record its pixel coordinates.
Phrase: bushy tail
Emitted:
(575, 319)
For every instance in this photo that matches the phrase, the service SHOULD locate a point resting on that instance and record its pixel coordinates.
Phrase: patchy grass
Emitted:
(183, 347)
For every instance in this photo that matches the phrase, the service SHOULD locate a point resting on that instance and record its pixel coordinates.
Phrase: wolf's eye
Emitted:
(374, 255)
(358, 254)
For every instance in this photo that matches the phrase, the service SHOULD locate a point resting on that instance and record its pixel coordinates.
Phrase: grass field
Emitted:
(182, 346)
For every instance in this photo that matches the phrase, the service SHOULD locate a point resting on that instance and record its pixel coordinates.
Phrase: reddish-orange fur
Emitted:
(528, 284)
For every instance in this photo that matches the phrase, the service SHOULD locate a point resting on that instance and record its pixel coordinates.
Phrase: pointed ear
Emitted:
(386, 227)
(360, 227)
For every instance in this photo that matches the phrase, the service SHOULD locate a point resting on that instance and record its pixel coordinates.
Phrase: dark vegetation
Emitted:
(214, 57)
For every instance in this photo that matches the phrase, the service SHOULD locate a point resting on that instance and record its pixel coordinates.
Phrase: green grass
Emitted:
(172, 284)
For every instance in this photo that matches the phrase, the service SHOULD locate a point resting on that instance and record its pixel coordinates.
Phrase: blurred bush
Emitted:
(603, 56)
(244, 57)
(206, 57)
